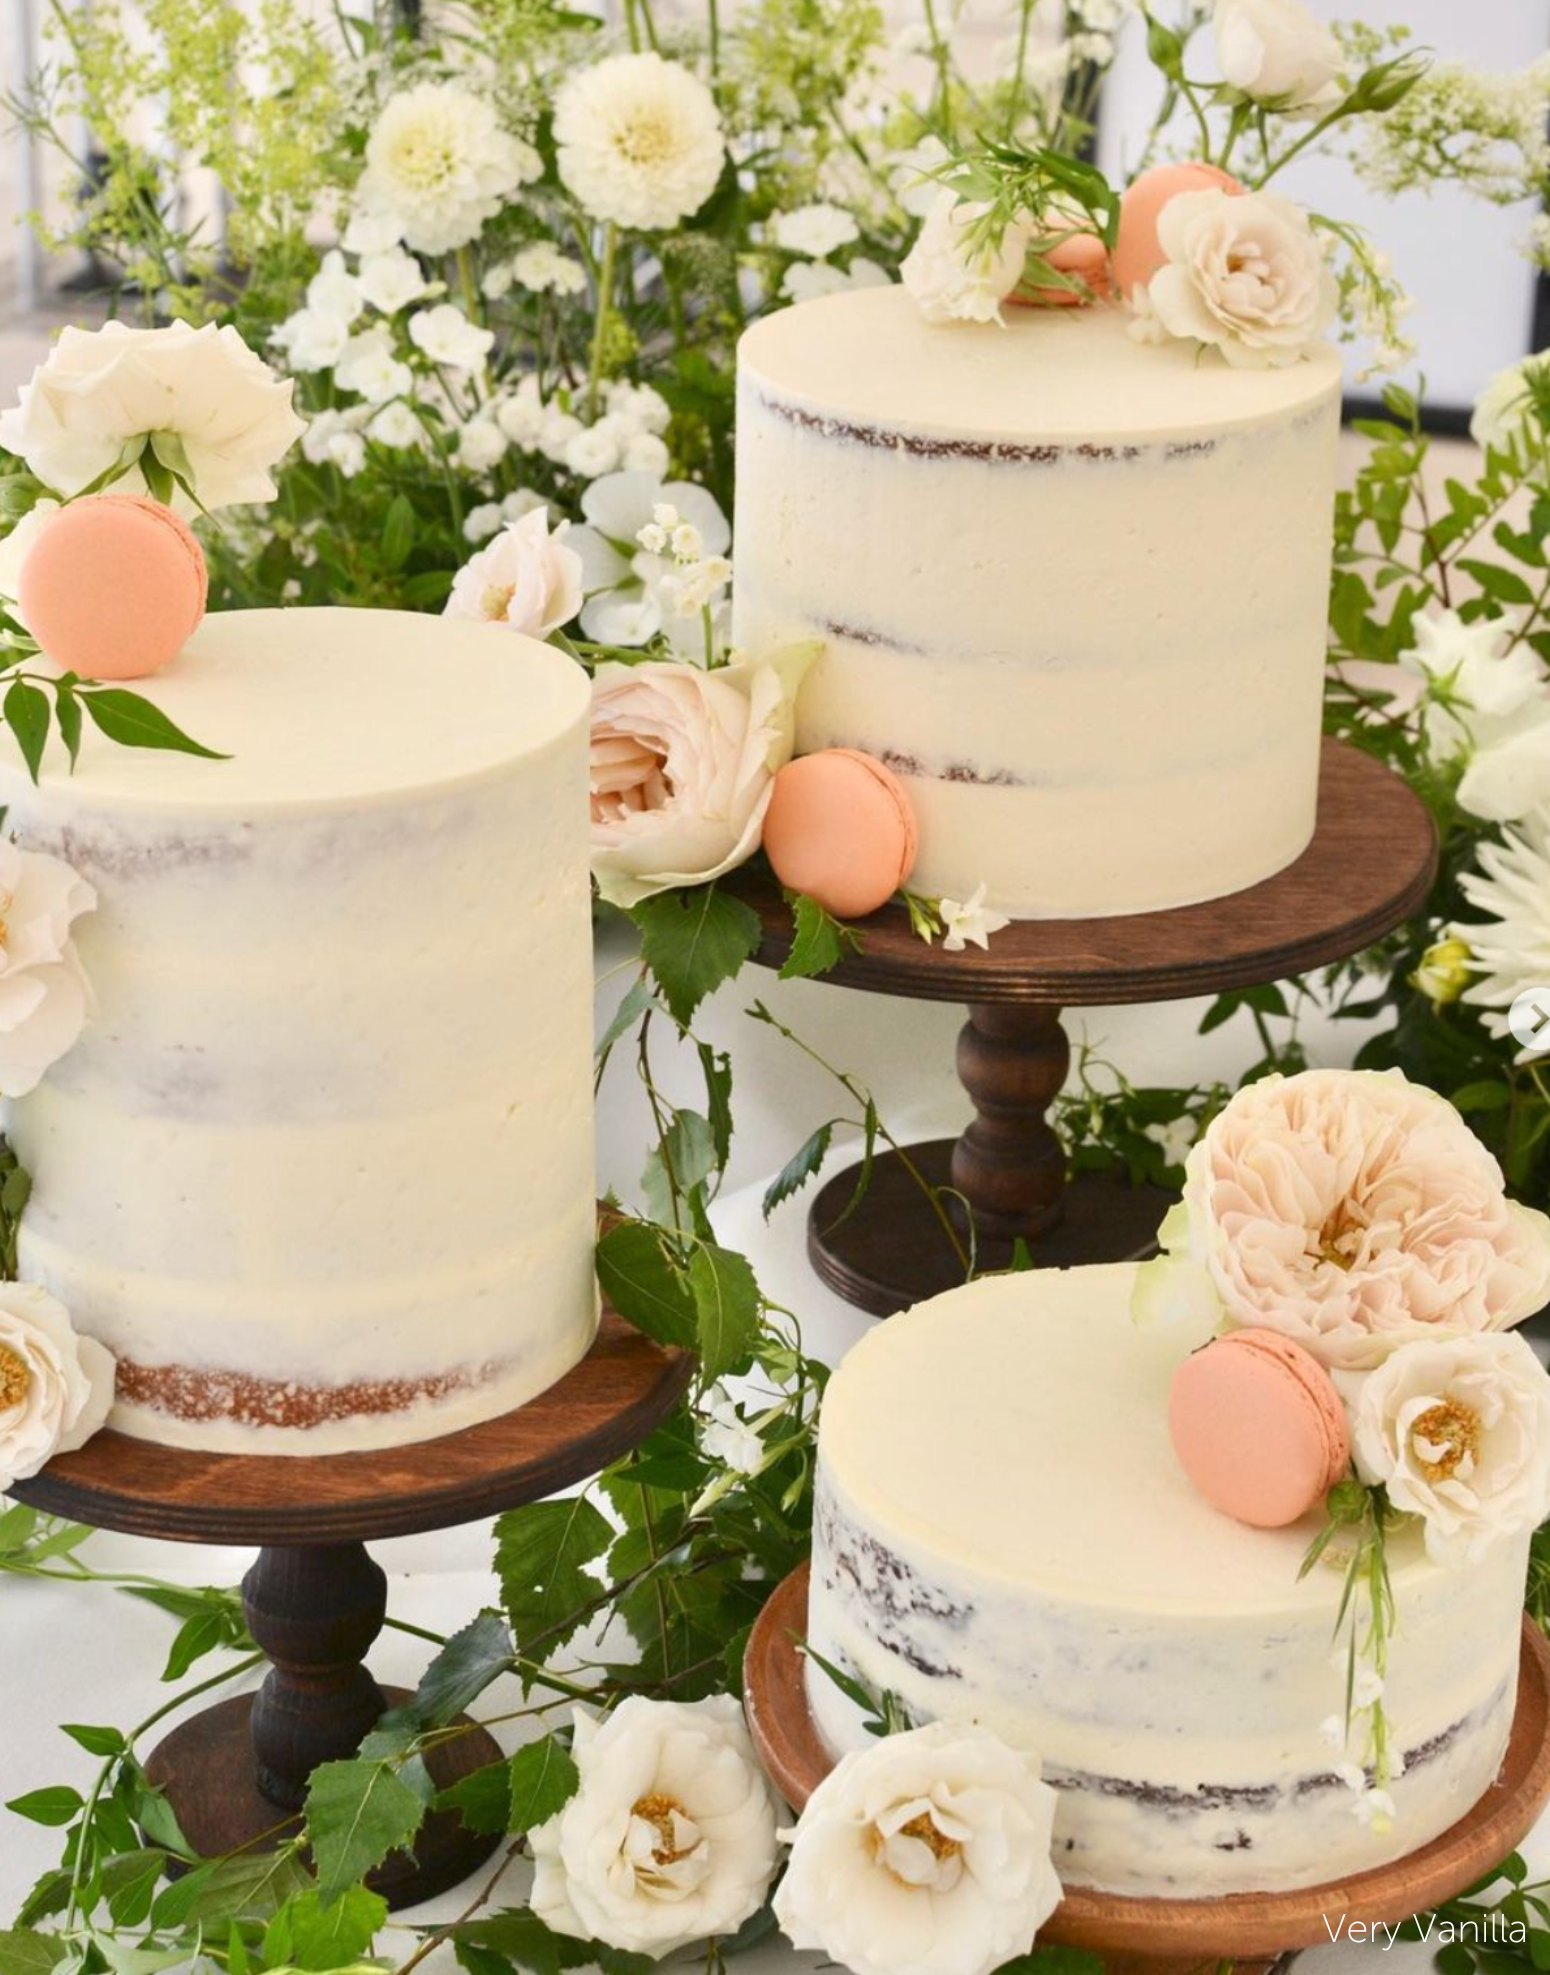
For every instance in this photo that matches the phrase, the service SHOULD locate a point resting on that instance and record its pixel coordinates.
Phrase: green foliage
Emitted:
(693, 941)
(357, 1812)
(821, 941)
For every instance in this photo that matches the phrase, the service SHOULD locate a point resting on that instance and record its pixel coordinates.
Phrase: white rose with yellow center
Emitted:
(55, 1387)
(1458, 1432)
(925, 1854)
(670, 1837)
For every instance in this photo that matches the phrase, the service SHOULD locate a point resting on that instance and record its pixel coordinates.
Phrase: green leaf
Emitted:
(398, 532)
(1054, 1961)
(541, 1556)
(129, 1884)
(357, 1813)
(24, 1952)
(802, 1166)
(28, 716)
(727, 1303)
(638, 1002)
(687, 1150)
(131, 721)
(52, 1806)
(521, 1937)
(543, 1781)
(482, 1800)
(821, 941)
(462, 1670)
(67, 710)
(693, 942)
(95, 1741)
(307, 1934)
(228, 1889)
(1502, 585)
(639, 1278)
(196, 1637)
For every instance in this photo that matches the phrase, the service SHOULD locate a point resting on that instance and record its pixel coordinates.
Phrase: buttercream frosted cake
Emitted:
(319, 1173)
(1071, 588)
(1004, 1535)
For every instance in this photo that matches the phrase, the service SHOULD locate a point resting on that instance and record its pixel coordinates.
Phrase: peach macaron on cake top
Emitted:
(113, 587)
(840, 828)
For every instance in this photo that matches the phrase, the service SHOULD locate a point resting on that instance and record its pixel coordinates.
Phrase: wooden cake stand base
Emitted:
(1368, 868)
(236, 1774)
(1251, 1929)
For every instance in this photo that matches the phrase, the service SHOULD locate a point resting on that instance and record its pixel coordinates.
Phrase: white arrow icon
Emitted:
(1529, 1019)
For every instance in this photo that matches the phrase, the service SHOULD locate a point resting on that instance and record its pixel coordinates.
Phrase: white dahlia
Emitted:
(1512, 951)
(640, 141)
(439, 162)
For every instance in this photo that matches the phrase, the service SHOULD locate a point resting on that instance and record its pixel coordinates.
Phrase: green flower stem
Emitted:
(472, 307)
(605, 295)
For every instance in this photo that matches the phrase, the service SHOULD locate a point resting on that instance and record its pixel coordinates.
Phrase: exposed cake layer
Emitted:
(1071, 587)
(320, 1172)
(1004, 1535)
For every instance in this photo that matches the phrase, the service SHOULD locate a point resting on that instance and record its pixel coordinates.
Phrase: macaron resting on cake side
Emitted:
(1004, 1534)
(1071, 589)
(319, 1172)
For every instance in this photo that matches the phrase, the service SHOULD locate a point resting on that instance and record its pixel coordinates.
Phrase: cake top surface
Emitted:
(867, 355)
(327, 706)
(1019, 1427)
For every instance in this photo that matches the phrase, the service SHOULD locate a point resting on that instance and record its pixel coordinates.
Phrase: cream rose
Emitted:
(1458, 1432)
(1355, 1212)
(55, 1387)
(45, 997)
(1277, 52)
(670, 1837)
(682, 765)
(926, 1854)
(527, 579)
(949, 281)
(1244, 274)
(102, 391)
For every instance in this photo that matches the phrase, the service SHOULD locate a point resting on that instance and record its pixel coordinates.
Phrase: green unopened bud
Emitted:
(1346, 1502)
(1444, 971)
(1165, 48)
(1387, 83)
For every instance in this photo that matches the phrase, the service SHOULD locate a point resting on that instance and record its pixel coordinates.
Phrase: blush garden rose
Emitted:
(56, 1388)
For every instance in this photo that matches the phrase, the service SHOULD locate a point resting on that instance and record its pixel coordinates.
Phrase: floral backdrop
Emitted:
(464, 340)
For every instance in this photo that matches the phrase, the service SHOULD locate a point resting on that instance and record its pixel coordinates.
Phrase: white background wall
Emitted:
(1460, 258)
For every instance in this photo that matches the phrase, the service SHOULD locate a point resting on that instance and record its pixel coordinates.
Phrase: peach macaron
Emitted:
(1082, 255)
(840, 828)
(1137, 254)
(1258, 1427)
(113, 587)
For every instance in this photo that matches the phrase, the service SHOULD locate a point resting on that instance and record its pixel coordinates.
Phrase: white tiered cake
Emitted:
(319, 1174)
(1071, 588)
(1004, 1535)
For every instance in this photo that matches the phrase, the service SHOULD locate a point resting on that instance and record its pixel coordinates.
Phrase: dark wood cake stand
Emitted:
(1368, 868)
(1252, 1930)
(236, 1774)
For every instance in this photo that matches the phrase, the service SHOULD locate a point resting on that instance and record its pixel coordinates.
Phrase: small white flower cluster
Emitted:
(1372, 1800)
(628, 599)
(1481, 130)
(540, 268)
(626, 436)
(696, 580)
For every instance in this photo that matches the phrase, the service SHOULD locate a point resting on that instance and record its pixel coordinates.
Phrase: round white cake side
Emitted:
(1003, 1535)
(1072, 589)
(320, 1171)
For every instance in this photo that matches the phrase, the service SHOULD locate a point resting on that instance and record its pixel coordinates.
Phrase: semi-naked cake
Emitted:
(1071, 588)
(1004, 1535)
(319, 1172)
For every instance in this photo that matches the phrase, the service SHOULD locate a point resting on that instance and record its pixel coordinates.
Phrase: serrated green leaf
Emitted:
(462, 1670)
(693, 941)
(821, 941)
(638, 1002)
(543, 1780)
(228, 1889)
(727, 1305)
(357, 1813)
(542, 1553)
(482, 1800)
(26, 1952)
(639, 1278)
(687, 1150)
(133, 721)
(803, 1165)
(306, 1933)
(28, 715)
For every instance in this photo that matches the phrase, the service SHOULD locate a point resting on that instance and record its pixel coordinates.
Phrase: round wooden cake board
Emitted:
(1368, 868)
(236, 1774)
(1241, 1927)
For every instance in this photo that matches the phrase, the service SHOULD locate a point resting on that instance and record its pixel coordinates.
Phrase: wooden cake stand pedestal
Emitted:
(1252, 1930)
(1368, 868)
(236, 1774)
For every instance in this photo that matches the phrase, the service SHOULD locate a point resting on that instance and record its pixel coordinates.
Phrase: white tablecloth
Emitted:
(90, 1654)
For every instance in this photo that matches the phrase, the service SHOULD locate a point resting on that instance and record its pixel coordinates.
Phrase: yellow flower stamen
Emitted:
(659, 1810)
(15, 1379)
(934, 1839)
(1451, 1434)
